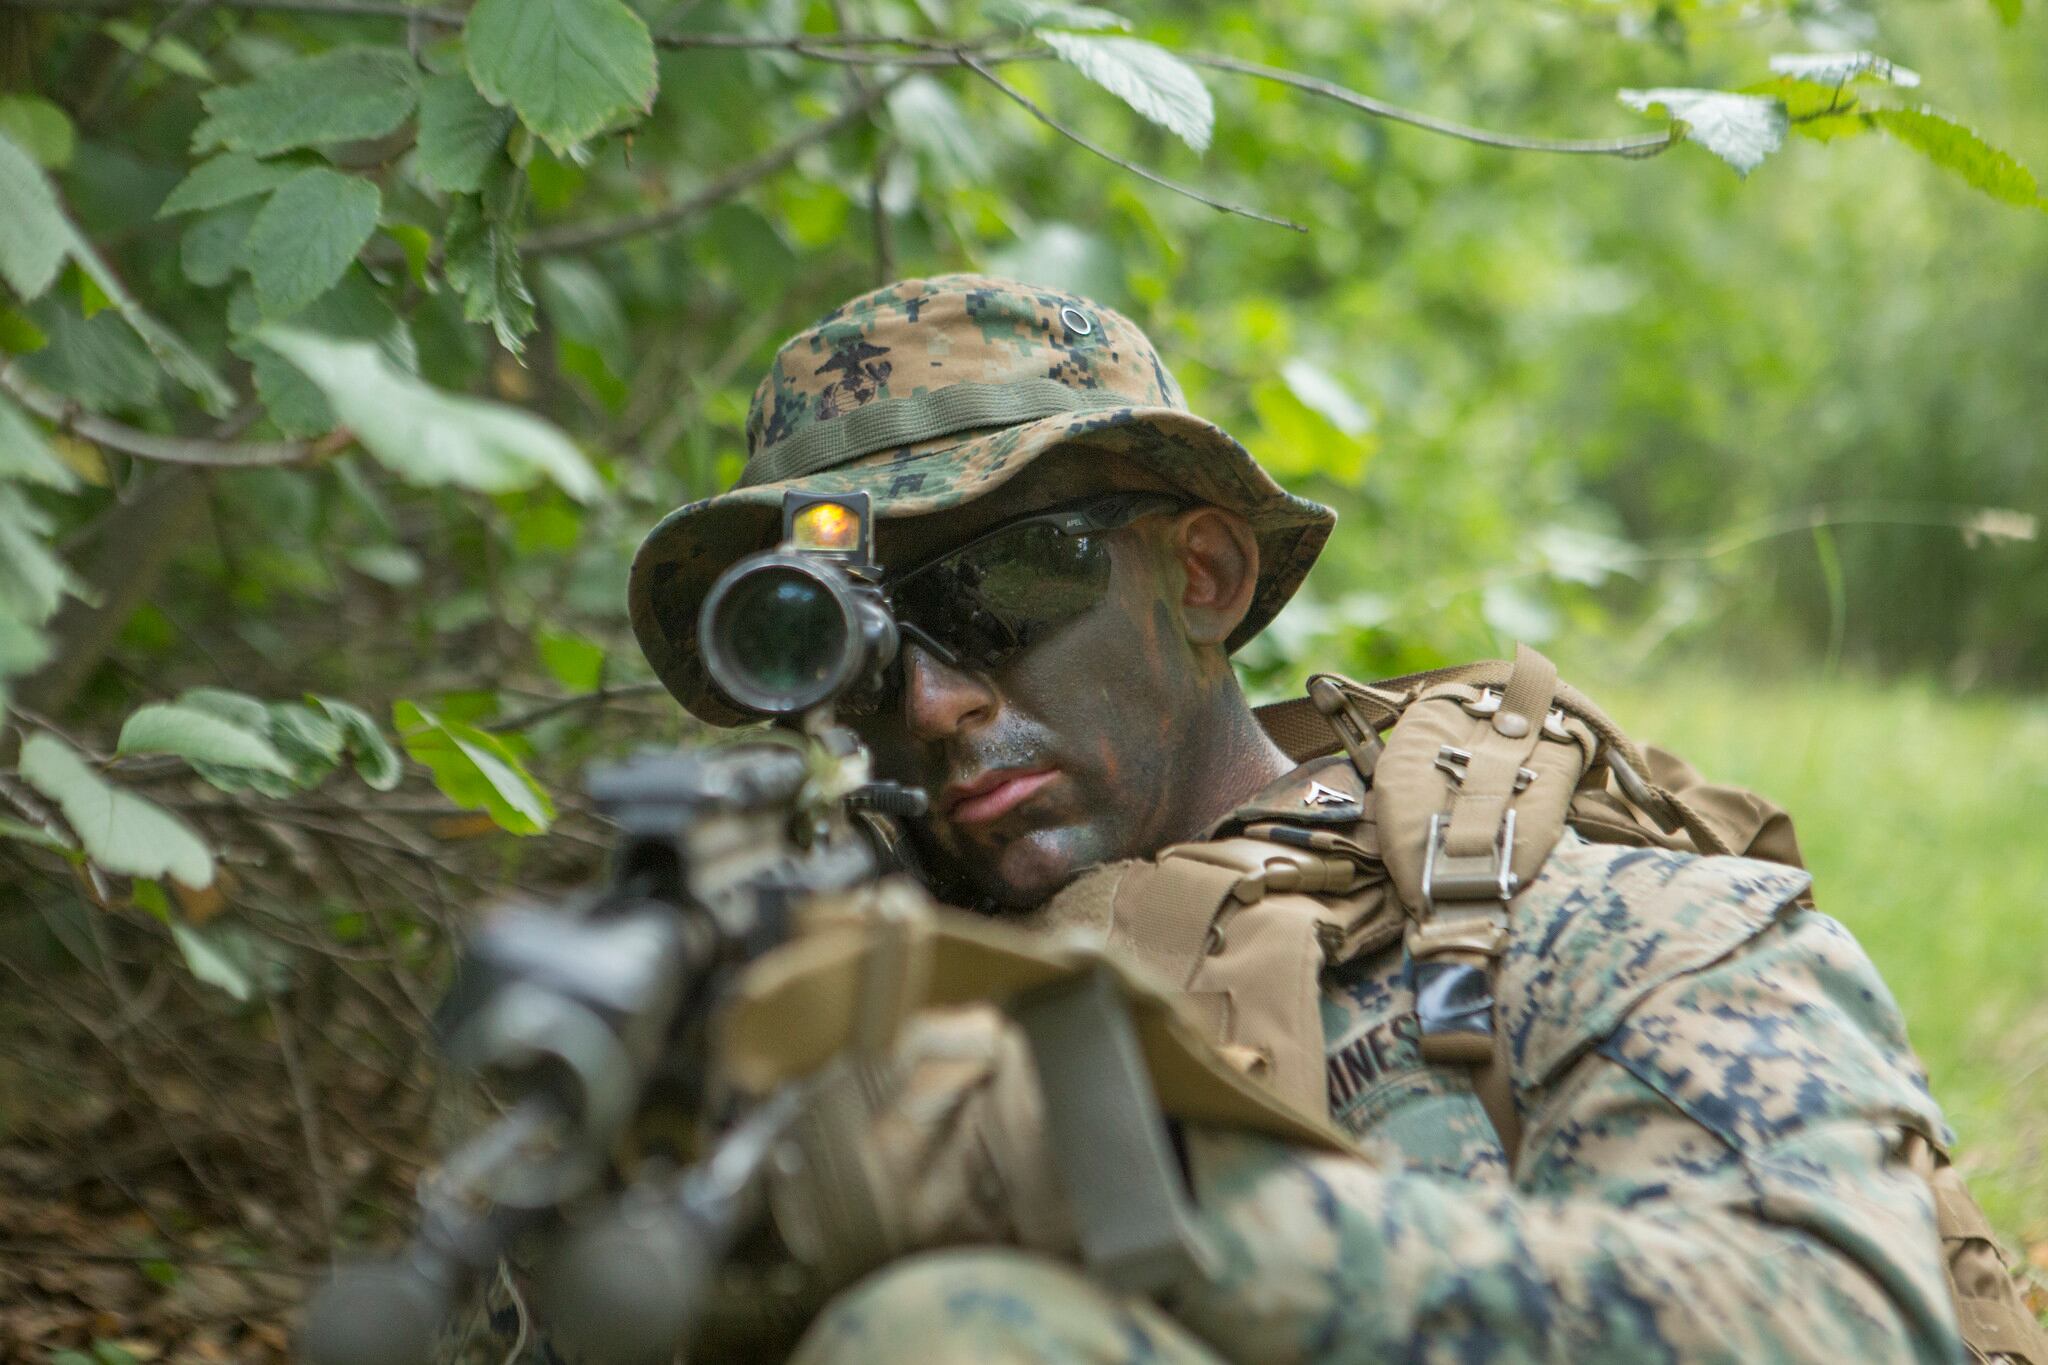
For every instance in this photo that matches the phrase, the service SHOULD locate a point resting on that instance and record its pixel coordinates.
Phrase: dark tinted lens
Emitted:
(999, 595)
(781, 631)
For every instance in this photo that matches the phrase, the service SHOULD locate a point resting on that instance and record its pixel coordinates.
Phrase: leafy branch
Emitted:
(1098, 149)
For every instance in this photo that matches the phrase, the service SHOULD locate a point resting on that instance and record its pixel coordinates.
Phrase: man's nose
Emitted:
(940, 701)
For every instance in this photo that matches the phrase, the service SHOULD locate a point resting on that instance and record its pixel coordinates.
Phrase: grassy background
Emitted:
(1925, 819)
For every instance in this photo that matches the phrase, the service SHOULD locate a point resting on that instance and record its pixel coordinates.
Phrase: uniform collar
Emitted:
(1322, 791)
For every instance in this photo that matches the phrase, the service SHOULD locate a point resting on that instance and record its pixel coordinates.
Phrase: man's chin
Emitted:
(1023, 872)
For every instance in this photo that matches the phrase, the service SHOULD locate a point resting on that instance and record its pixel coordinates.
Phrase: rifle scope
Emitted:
(791, 628)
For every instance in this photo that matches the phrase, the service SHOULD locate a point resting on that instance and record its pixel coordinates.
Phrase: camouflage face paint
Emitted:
(1110, 738)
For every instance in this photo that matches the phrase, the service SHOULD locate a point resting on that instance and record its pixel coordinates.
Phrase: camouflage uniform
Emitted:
(1713, 1082)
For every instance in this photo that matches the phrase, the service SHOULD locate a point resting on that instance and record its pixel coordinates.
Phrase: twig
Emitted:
(118, 75)
(358, 9)
(584, 236)
(145, 445)
(309, 1115)
(1642, 145)
(974, 64)
(519, 720)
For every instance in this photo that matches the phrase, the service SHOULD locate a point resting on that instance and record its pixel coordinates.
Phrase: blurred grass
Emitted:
(1925, 819)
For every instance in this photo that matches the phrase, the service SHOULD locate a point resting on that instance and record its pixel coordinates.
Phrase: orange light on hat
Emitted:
(826, 526)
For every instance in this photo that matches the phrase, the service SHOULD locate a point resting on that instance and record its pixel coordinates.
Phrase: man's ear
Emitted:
(1219, 562)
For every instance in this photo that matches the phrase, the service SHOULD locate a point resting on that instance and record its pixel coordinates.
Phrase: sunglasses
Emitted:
(979, 604)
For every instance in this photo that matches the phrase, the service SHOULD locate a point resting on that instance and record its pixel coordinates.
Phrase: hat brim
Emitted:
(685, 553)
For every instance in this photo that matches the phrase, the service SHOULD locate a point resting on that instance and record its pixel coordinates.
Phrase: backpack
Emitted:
(1482, 768)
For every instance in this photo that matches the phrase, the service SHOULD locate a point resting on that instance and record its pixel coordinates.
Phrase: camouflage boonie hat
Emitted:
(930, 394)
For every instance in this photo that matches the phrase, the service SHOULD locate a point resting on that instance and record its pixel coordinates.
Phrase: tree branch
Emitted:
(584, 236)
(1642, 145)
(347, 9)
(147, 445)
(973, 64)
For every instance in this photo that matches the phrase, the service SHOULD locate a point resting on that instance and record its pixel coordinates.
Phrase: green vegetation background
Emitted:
(1759, 460)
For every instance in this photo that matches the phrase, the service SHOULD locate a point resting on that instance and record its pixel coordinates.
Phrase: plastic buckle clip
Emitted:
(1470, 878)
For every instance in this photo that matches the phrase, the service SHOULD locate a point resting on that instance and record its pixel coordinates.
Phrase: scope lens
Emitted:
(782, 631)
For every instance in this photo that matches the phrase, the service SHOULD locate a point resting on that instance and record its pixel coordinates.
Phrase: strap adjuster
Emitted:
(1454, 761)
(1489, 701)
(1469, 878)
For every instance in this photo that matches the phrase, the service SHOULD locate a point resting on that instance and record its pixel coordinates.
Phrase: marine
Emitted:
(1682, 1120)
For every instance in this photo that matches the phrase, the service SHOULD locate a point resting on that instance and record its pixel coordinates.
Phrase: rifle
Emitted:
(592, 1016)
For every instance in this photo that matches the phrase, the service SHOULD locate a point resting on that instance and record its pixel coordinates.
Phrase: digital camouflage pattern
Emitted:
(918, 337)
(1714, 1083)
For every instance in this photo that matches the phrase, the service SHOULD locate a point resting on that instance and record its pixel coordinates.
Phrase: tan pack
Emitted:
(1482, 767)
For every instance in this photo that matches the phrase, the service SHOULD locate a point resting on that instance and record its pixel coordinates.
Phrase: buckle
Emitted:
(1488, 704)
(1454, 761)
(1469, 878)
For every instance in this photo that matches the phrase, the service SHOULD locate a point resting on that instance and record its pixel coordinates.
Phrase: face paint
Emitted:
(1108, 738)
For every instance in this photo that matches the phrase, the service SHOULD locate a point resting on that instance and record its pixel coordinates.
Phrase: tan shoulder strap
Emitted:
(1995, 1323)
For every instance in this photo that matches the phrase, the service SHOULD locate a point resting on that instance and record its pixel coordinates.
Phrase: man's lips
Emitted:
(992, 794)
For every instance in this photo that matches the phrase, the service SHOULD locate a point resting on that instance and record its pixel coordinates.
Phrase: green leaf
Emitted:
(33, 581)
(390, 564)
(582, 307)
(97, 361)
(167, 50)
(1840, 68)
(570, 67)
(460, 133)
(200, 736)
(474, 769)
(576, 663)
(1950, 145)
(1740, 129)
(209, 964)
(33, 834)
(927, 117)
(1042, 14)
(39, 128)
(376, 761)
(428, 437)
(225, 179)
(341, 95)
(25, 455)
(418, 245)
(1145, 76)
(353, 310)
(210, 250)
(2008, 11)
(121, 831)
(480, 258)
(35, 239)
(306, 236)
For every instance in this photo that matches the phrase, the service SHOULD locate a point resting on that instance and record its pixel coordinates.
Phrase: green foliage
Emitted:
(569, 67)
(39, 128)
(460, 134)
(306, 236)
(203, 737)
(1740, 129)
(1954, 147)
(120, 831)
(342, 95)
(1145, 76)
(428, 437)
(226, 179)
(475, 769)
